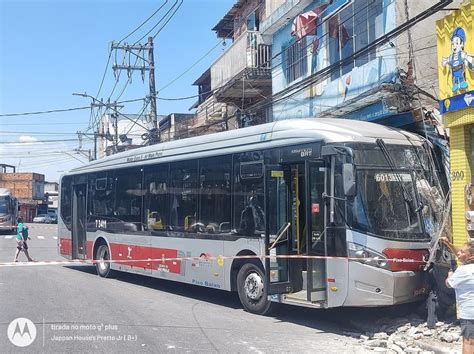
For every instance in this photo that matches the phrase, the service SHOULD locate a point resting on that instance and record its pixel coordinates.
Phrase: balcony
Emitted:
(279, 16)
(243, 72)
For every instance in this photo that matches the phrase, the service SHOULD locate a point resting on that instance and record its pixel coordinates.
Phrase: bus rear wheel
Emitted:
(252, 291)
(103, 261)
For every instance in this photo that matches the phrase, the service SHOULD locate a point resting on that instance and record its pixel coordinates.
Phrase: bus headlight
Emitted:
(365, 255)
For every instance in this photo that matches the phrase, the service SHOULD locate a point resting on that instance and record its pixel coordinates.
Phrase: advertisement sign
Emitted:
(455, 43)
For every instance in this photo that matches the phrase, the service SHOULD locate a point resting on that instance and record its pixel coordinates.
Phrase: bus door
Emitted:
(79, 221)
(315, 173)
(277, 230)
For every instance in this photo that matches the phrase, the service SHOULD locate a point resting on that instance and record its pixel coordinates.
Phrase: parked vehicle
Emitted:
(53, 216)
(42, 218)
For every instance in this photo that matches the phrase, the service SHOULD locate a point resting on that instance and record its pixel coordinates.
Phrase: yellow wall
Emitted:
(444, 28)
(460, 153)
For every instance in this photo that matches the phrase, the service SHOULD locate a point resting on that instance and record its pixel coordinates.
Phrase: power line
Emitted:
(169, 19)
(105, 73)
(144, 22)
(44, 112)
(190, 67)
(325, 72)
(35, 142)
(159, 21)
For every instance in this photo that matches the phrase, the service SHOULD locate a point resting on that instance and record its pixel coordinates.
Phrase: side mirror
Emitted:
(349, 179)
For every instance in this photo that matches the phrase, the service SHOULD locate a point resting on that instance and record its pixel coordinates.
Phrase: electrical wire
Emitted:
(158, 23)
(169, 19)
(36, 142)
(44, 112)
(190, 68)
(127, 101)
(144, 22)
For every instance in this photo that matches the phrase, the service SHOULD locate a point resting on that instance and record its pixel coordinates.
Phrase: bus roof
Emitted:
(5, 192)
(264, 136)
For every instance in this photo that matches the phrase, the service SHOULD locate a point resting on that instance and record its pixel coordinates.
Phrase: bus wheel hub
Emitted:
(253, 286)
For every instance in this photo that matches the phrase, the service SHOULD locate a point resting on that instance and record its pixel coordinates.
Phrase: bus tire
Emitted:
(102, 262)
(252, 291)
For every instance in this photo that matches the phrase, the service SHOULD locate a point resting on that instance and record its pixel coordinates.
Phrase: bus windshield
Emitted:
(400, 202)
(380, 206)
(3, 206)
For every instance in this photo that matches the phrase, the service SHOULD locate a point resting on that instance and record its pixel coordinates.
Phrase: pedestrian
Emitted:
(462, 281)
(21, 240)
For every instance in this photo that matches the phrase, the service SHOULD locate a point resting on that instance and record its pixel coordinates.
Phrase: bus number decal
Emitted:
(101, 224)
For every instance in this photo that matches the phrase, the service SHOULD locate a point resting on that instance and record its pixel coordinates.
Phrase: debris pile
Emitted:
(410, 336)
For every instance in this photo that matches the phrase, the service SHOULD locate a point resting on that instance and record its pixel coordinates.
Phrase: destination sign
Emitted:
(147, 156)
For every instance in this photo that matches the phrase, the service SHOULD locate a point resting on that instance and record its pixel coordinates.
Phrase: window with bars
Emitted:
(352, 29)
(295, 60)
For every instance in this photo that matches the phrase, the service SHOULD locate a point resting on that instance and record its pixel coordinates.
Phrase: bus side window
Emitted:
(249, 199)
(128, 197)
(156, 194)
(183, 194)
(214, 194)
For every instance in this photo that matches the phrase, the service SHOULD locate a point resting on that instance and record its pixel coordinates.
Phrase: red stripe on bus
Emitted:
(139, 257)
(65, 246)
(89, 245)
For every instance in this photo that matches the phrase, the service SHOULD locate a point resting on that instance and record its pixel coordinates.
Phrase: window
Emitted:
(66, 197)
(128, 196)
(157, 198)
(214, 202)
(253, 21)
(352, 29)
(101, 197)
(294, 59)
(183, 196)
(248, 195)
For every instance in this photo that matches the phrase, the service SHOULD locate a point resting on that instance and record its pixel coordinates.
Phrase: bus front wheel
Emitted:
(103, 261)
(252, 291)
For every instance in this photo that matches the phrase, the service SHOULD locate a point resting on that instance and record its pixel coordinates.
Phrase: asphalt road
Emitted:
(74, 310)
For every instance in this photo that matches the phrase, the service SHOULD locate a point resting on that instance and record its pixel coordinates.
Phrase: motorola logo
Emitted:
(21, 332)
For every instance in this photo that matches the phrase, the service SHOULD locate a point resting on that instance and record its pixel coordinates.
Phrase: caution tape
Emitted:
(207, 258)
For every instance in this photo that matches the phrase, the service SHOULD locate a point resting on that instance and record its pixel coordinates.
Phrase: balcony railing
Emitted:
(247, 52)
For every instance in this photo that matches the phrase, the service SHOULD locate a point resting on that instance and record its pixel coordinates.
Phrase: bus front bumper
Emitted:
(371, 286)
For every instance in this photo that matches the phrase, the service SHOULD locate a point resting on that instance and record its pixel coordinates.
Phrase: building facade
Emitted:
(28, 188)
(177, 126)
(456, 92)
(239, 80)
(348, 59)
(329, 61)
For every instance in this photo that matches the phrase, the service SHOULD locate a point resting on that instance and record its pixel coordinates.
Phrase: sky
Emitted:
(51, 49)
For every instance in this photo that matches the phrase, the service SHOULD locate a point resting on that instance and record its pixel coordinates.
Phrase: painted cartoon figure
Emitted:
(458, 60)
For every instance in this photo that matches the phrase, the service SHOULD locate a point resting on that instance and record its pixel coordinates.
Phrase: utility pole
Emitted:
(154, 117)
(148, 64)
(95, 143)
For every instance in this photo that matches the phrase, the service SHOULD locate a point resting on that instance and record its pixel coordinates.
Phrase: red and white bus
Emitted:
(342, 198)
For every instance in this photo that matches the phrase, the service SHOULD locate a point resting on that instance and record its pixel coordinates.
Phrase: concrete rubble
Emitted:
(409, 335)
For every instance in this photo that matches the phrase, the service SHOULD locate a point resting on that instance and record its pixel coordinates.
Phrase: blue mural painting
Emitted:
(325, 35)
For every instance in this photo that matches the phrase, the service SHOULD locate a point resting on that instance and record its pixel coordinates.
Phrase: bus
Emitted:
(8, 210)
(311, 212)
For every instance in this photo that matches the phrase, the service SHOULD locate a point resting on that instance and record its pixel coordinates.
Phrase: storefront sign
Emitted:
(455, 41)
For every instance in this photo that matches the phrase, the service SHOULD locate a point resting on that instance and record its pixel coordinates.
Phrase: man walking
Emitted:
(21, 238)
